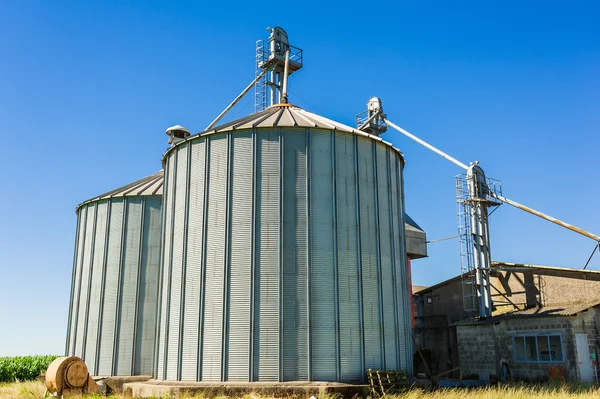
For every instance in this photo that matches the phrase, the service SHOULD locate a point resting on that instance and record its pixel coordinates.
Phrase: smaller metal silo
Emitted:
(113, 306)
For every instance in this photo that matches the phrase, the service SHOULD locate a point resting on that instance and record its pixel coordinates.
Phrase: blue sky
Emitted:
(88, 88)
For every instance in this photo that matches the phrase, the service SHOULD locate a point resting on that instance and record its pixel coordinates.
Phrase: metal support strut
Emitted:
(237, 99)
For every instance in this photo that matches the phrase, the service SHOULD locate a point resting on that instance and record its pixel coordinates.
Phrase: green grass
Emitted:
(23, 368)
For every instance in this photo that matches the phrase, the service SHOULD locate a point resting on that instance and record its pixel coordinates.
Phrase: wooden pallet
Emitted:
(384, 382)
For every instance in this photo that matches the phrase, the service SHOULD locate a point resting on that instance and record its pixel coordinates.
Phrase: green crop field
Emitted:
(23, 368)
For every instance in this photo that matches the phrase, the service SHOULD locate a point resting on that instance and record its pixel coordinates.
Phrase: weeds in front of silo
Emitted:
(571, 390)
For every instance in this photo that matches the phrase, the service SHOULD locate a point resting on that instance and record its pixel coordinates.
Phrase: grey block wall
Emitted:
(482, 347)
(284, 258)
(112, 314)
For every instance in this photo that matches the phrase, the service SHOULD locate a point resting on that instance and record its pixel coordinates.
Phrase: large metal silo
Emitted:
(113, 309)
(284, 253)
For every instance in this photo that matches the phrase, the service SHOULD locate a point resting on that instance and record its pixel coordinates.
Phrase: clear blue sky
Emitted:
(88, 88)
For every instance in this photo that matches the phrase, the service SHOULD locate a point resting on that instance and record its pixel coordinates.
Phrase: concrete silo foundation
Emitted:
(153, 388)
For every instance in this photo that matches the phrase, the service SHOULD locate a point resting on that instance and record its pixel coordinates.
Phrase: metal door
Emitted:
(583, 358)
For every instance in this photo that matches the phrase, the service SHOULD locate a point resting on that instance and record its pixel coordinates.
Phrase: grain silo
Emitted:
(284, 253)
(112, 313)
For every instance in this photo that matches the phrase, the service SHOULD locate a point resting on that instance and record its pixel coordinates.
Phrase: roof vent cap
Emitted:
(177, 133)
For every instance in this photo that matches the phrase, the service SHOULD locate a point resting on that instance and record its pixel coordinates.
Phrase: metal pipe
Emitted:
(544, 216)
(284, 96)
(238, 98)
(432, 148)
(592, 254)
(442, 239)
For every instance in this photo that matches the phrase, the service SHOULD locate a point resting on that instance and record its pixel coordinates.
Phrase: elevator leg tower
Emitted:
(474, 196)
(270, 56)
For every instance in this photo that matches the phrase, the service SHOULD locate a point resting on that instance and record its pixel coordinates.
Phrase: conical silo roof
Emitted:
(288, 115)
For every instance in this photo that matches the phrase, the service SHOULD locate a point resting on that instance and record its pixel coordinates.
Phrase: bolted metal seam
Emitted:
(280, 249)
(89, 283)
(161, 261)
(137, 288)
(169, 289)
(207, 142)
(252, 261)
(359, 256)
(78, 293)
(308, 256)
(336, 280)
(117, 327)
(393, 255)
(227, 262)
(188, 149)
(96, 366)
(77, 231)
(378, 246)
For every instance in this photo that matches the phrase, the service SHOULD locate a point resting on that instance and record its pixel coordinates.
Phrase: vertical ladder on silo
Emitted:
(260, 88)
(465, 230)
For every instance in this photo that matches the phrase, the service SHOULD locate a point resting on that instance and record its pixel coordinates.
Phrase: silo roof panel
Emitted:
(246, 122)
(303, 121)
(149, 185)
(321, 122)
(286, 119)
(269, 121)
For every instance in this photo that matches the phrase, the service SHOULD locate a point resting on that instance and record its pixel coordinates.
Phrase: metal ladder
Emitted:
(260, 88)
(467, 261)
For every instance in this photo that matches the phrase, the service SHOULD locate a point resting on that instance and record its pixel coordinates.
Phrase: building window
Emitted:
(538, 348)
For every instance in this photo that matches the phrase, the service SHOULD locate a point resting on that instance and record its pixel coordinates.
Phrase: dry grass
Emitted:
(569, 391)
(35, 390)
(21, 390)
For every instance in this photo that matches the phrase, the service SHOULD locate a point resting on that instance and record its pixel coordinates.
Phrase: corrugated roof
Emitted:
(410, 222)
(546, 269)
(150, 185)
(285, 115)
(546, 311)
(417, 288)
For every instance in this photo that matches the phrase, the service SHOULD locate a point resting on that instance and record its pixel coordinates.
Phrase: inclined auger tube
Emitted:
(498, 197)
(548, 218)
(236, 100)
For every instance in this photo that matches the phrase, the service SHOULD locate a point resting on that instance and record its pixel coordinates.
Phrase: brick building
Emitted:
(542, 317)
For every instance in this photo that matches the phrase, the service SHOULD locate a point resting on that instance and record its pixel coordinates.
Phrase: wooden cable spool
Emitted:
(67, 375)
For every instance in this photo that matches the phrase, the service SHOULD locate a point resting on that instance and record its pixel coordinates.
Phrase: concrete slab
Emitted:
(116, 383)
(155, 388)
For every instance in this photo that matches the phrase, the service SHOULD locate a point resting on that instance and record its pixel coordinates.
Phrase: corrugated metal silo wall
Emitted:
(113, 310)
(284, 258)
